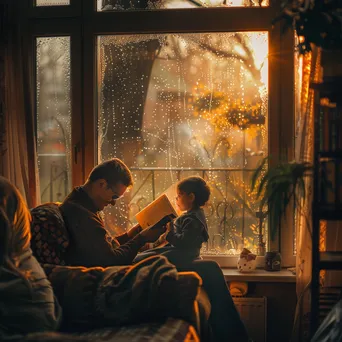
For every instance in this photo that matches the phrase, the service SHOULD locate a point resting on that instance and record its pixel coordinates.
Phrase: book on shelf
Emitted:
(160, 211)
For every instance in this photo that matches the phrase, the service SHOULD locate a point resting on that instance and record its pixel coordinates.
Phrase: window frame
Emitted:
(59, 11)
(58, 28)
(83, 23)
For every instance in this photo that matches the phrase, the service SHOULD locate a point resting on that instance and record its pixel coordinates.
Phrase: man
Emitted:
(92, 246)
(90, 243)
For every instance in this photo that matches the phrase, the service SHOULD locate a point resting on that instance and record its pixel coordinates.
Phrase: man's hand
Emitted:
(152, 234)
(135, 230)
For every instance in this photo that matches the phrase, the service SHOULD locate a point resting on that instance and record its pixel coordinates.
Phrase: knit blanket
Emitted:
(149, 290)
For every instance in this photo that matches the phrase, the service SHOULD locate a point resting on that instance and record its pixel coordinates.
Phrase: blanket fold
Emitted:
(150, 290)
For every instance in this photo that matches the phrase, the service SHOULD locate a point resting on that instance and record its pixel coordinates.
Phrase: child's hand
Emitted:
(161, 241)
(168, 227)
(151, 234)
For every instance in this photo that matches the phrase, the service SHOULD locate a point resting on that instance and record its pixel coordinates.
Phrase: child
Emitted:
(186, 234)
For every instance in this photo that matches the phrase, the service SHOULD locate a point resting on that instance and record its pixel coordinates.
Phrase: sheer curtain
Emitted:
(18, 160)
(309, 70)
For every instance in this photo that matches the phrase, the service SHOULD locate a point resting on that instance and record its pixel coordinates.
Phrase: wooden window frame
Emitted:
(83, 23)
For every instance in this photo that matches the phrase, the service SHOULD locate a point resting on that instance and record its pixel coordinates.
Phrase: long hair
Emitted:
(15, 221)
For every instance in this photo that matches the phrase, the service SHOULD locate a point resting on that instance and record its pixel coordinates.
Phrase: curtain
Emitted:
(18, 160)
(308, 70)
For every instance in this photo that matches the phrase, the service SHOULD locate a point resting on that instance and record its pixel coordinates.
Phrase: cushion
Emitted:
(50, 238)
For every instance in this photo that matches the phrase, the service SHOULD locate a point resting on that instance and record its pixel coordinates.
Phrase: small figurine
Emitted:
(247, 261)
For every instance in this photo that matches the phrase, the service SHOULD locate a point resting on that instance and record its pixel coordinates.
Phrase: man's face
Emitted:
(109, 193)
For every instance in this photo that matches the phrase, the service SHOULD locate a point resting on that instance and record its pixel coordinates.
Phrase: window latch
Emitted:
(77, 149)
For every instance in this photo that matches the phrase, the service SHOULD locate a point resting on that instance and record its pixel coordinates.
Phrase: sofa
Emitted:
(49, 243)
(170, 330)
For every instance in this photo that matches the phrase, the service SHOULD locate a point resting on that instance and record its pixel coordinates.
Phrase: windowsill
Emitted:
(228, 266)
(230, 261)
(259, 275)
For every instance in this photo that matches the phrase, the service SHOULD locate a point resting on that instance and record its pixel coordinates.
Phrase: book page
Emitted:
(171, 193)
(155, 212)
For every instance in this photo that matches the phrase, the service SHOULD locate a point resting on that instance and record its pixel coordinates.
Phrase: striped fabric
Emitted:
(172, 330)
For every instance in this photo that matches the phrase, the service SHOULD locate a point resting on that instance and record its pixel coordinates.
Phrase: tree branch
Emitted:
(248, 62)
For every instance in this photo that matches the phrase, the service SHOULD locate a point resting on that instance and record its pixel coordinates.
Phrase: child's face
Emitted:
(184, 201)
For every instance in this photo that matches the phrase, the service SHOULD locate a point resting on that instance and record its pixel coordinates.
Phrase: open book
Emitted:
(159, 211)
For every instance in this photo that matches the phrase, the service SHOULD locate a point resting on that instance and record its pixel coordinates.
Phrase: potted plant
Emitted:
(278, 186)
(315, 21)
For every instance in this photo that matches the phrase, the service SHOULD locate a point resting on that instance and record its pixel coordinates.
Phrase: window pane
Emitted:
(122, 5)
(174, 105)
(53, 117)
(52, 2)
(298, 67)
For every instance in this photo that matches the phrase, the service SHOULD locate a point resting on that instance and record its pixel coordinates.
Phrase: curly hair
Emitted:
(197, 186)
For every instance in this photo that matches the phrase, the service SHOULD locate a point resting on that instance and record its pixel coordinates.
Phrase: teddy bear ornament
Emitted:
(247, 261)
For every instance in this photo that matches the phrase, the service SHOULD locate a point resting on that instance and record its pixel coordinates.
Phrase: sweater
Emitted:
(90, 243)
(189, 231)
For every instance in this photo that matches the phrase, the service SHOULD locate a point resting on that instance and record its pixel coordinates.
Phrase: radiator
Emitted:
(252, 311)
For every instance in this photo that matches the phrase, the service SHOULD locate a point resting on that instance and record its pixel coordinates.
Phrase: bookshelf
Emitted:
(327, 195)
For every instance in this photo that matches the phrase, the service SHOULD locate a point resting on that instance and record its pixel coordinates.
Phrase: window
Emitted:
(183, 91)
(53, 117)
(52, 2)
(121, 5)
(175, 105)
